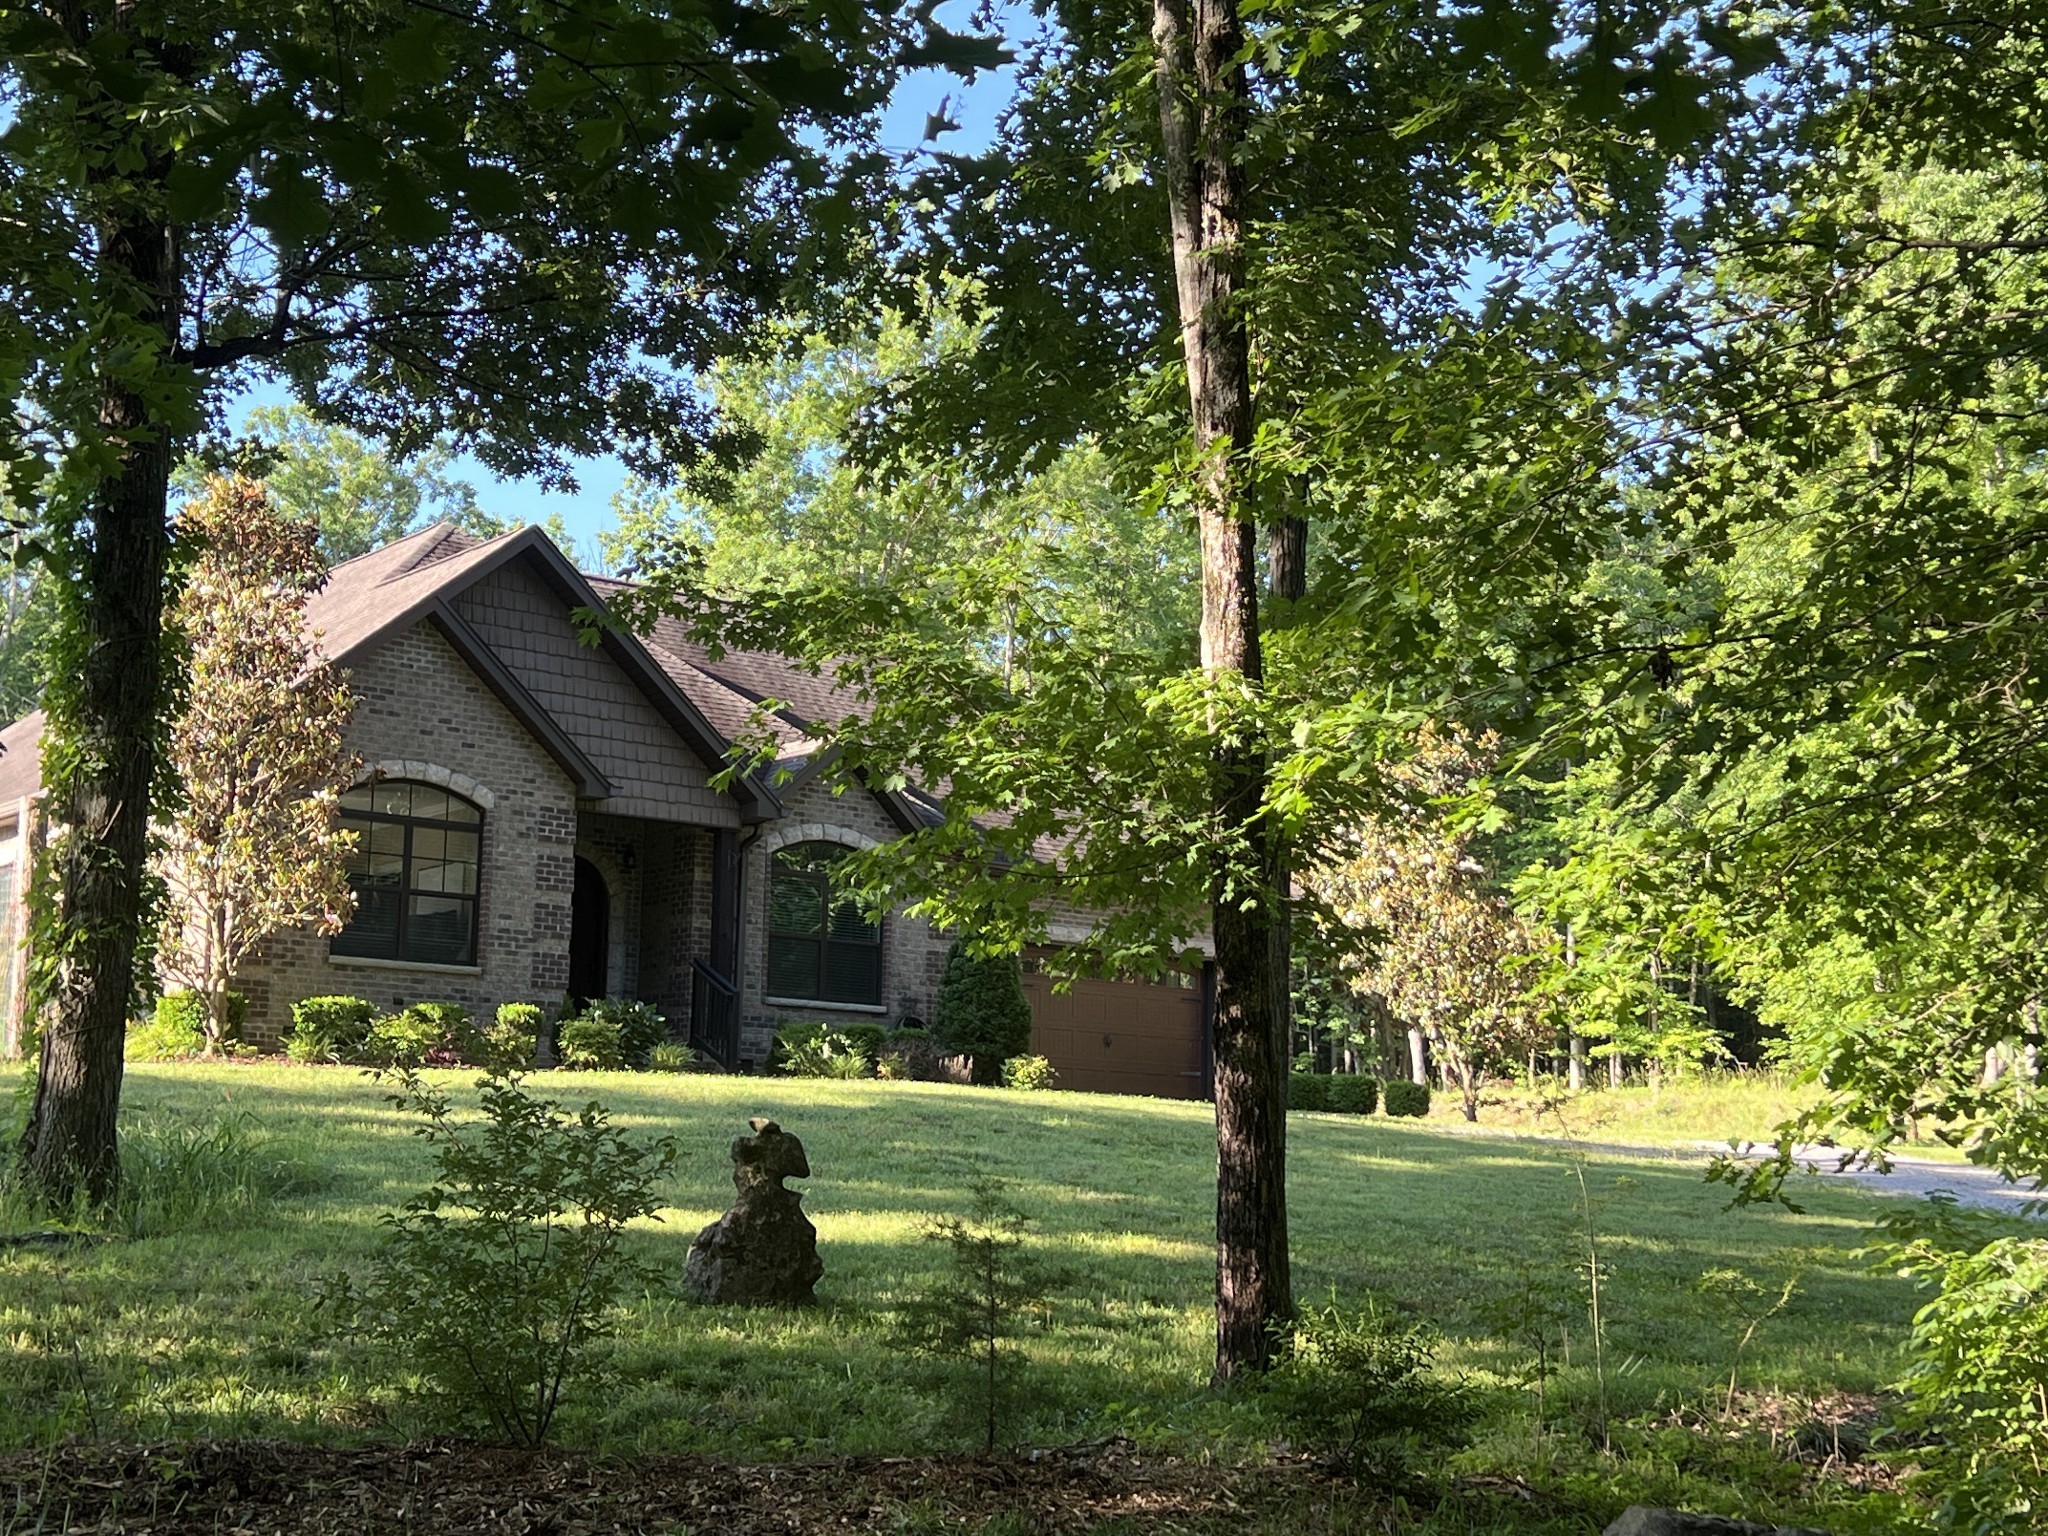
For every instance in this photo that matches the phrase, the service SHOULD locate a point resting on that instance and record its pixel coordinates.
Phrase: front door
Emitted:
(590, 913)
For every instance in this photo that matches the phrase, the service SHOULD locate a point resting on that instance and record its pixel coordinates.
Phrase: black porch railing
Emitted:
(714, 1016)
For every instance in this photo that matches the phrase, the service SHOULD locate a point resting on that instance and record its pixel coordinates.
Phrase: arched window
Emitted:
(820, 948)
(414, 872)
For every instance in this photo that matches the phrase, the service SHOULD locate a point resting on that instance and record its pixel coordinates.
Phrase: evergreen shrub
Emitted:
(1306, 1090)
(983, 1013)
(176, 1027)
(868, 1039)
(510, 1042)
(1352, 1094)
(1406, 1098)
(911, 1055)
(330, 1029)
(425, 1034)
(589, 1044)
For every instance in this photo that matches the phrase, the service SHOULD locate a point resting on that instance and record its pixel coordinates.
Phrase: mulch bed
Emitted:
(290, 1490)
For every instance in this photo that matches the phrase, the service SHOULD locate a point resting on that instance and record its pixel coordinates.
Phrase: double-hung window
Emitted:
(821, 948)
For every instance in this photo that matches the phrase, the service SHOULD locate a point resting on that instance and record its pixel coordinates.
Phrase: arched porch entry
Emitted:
(590, 921)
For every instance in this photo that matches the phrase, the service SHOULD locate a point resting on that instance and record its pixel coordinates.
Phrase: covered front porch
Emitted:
(654, 916)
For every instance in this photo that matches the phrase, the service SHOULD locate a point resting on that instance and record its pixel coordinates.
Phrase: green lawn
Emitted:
(210, 1328)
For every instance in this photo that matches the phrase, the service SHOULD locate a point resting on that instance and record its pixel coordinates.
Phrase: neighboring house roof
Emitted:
(21, 758)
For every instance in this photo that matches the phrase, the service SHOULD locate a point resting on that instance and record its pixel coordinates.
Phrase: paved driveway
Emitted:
(1918, 1176)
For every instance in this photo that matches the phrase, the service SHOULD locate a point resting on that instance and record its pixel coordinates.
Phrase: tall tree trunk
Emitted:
(1287, 582)
(1287, 552)
(1202, 108)
(107, 729)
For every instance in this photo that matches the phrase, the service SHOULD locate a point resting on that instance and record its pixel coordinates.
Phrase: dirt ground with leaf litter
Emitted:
(292, 1490)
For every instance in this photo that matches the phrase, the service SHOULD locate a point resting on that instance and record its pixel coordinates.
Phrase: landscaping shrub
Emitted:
(1358, 1386)
(330, 1029)
(674, 1056)
(175, 1028)
(1352, 1094)
(789, 1036)
(589, 1045)
(425, 1034)
(911, 1055)
(1406, 1098)
(510, 1042)
(982, 1012)
(496, 1282)
(829, 1054)
(868, 1039)
(1305, 1090)
(1031, 1073)
(640, 1028)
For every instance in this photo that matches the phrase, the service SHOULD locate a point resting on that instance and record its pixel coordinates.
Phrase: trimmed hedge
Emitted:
(1307, 1090)
(1406, 1098)
(425, 1034)
(1353, 1094)
(1342, 1093)
(589, 1045)
(330, 1029)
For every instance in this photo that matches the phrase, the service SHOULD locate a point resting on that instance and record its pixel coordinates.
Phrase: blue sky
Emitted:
(974, 105)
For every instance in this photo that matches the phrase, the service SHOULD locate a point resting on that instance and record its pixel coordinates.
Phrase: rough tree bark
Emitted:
(1287, 582)
(1202, 106)
(1287, 557)
(100, 804)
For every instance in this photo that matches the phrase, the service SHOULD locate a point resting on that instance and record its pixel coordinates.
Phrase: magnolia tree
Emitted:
(255, 846)
(1438, 940)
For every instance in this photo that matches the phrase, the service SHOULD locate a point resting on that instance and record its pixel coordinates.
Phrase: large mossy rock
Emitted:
(764, 1251)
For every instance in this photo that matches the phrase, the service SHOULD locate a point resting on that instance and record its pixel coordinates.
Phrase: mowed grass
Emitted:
(1712, 1107)
(1697, 1110)
(210, 1326)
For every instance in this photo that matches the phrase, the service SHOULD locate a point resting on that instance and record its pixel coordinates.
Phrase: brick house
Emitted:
(536, 820)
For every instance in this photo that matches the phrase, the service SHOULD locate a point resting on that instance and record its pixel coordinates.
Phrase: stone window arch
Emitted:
(415, 872)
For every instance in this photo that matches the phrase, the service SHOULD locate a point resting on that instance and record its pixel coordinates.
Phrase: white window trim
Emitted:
(371, 962)
(819, 1003)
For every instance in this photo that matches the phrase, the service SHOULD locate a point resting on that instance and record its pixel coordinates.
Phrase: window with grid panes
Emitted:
(414, 872)
(820, 947)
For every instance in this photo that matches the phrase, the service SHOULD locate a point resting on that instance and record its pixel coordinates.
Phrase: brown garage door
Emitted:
(1120, 1036)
